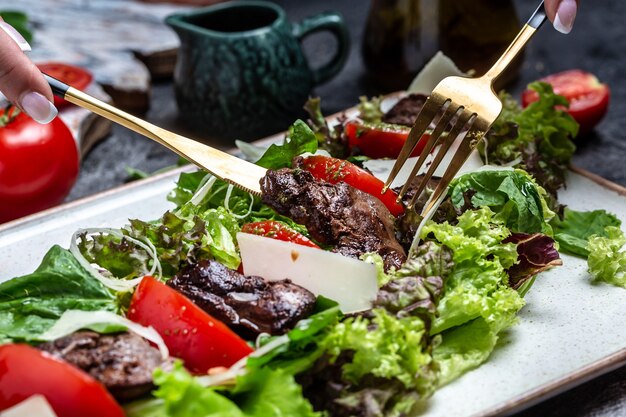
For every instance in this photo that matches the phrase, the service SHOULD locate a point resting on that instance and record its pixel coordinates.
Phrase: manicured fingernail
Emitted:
(565, 16)
(38, 107)
(16, 36)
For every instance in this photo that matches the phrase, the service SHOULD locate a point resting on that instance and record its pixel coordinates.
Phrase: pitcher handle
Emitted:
(334, 23)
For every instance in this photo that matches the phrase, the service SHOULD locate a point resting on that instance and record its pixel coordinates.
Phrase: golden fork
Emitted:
(474, 104)
(231, 169)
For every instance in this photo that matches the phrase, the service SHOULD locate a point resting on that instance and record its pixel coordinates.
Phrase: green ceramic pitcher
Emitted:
(241, 72)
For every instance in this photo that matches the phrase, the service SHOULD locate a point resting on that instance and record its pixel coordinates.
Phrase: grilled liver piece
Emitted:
(122, 362)
(352, 221)
(248, 305)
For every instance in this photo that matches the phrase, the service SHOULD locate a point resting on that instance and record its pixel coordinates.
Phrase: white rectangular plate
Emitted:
(569, 331)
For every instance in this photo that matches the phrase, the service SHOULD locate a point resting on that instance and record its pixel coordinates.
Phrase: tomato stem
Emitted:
(9, 114)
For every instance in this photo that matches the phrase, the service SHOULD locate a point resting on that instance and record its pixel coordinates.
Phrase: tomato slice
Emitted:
(279, 231)
(588, 97)
(189, 332)
(71, 75)
(26, 371)
(380, 141)
(334, 170)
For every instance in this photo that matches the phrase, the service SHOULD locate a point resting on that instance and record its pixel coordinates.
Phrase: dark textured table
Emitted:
(597, 45)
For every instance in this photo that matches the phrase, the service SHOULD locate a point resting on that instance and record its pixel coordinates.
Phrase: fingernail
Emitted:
(38, 107)
(565, 16)
(15, 35)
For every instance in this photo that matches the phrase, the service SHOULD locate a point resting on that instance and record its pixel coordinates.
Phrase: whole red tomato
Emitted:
(588, 98)
(38, 164)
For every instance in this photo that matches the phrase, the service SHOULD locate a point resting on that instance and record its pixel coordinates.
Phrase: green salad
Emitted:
(160, 318)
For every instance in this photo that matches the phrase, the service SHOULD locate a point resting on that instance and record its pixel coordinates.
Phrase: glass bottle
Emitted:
(402, 35)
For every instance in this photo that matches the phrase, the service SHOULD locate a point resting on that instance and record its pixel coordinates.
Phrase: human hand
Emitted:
(20, 80)
(562, 14)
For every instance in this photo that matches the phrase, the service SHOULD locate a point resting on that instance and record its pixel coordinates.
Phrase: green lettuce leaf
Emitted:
(260, 393)
(515, 198)
(539, 138)
(607, 259)
(574, 230)
(385, 347)
(464, 348)
(31, 304)
(299, 140)
(478, 284)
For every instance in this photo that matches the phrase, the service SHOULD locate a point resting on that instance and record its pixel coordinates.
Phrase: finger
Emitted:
(20, 80)
(562, 13)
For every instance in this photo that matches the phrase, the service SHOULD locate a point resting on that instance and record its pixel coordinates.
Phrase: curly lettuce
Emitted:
(607, 259)
(478, 303)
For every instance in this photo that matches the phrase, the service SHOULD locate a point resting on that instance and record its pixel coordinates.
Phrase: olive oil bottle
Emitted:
(402, 35)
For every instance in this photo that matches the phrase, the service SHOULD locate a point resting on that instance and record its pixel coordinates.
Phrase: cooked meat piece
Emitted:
(249, 305)
(122, 362)
(352, 221)
(406, 110)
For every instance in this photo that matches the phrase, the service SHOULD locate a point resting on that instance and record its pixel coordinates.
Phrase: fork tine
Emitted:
(443, 122)
(443, 150)
(425, 117)
(467, 145)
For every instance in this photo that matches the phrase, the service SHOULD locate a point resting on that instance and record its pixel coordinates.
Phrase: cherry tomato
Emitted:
(38, 164)
(334, 170)
(71, 75)
(26, 371)
(190, 333)
(278, 230)
(380, 141)
(588, 98)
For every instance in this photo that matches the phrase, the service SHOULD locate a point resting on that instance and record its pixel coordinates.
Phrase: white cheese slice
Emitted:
(438, 68)
(35, 406)
(350, 282)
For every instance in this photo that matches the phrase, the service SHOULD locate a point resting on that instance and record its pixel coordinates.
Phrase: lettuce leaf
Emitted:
(574, 230)
(478, 284)
(261, 393)
(31, 304)
(607, 259)
(538, 138)
(299, 140)
(512, 195)
(373, 366)
(536, 253)
(464, 348)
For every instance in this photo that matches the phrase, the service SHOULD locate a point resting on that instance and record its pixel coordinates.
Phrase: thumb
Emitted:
(20, 80)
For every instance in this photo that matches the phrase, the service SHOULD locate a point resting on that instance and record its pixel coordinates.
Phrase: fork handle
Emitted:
(514, 49)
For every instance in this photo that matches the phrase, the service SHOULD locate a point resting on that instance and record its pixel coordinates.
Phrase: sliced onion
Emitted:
(227, 201)
(205, 186)
(73, 320)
